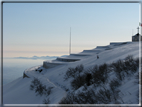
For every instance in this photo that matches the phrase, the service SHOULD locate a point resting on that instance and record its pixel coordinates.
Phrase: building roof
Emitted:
(137, 34)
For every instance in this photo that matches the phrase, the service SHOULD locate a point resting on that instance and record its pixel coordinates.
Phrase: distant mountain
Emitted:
(40, 57)
(37, 57)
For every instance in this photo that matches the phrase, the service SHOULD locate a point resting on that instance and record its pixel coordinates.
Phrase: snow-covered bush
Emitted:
(129, 58)
(73, 72)
(99, 74)
(80, 98)
(46, 101)
(131, 63)
(119, 69)
(125, 68)
(47, 91)
(78, 81)
(34, 84)
(37, 87)
(137, 81)
(81, 80)
(114, 84)
(40, 89)
(70, 73)
(69, 99)
(104, 96)
(96, 76)
(88, 97)
(79, 68)
(88, 79)
(85, 87)
(137, 61)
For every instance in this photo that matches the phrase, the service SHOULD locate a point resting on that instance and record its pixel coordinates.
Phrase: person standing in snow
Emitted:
(97, 57)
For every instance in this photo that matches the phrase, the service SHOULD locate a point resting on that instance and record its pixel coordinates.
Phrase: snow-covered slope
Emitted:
(53, 72)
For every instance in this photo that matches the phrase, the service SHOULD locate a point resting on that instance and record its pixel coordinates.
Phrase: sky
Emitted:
(41, 29)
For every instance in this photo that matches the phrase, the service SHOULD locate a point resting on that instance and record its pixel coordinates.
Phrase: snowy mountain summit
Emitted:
(104, 75)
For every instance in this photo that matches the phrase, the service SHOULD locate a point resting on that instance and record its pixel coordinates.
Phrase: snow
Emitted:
(18, 91)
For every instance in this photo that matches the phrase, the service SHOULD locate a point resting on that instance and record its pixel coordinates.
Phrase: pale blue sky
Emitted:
(43, 28)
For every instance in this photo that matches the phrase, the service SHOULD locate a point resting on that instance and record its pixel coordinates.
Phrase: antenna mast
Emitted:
(70, 42)
(138, 29)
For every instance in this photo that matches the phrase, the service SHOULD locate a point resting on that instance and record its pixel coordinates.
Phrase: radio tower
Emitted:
(70, 43)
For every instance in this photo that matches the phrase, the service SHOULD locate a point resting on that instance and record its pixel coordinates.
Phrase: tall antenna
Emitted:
(138, 29)
(70, 42)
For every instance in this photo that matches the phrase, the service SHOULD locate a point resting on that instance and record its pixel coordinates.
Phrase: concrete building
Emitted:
(136, 37)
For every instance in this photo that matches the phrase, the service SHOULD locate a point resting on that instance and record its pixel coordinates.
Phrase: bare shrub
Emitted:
(137, 79)
(99, 74)
(114, 84)
(70, 73)
(46, 101)
(131, 63)
(85, 87)
(88, 79)
(69, 99)
(79, 68)
(80, 98)
(137, 62)
(129, 58)
(39, 88)
(73, 72)
(78, 82)
(104, 96)
(88, 97)
(34, 84)
(48, 91)
(118, 68)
